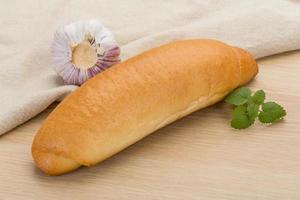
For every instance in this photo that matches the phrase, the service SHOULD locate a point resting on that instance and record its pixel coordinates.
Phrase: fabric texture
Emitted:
(28, 84)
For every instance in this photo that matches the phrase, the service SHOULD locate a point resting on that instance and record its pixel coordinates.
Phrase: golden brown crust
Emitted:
(53, 164)
(132, 99)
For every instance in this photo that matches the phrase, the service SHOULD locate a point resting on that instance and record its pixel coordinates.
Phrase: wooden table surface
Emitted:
(198, 157)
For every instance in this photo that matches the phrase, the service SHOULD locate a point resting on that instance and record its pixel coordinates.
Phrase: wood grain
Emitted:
(198, 157)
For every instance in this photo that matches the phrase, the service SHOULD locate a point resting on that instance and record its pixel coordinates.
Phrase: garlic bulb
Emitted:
(82, 49)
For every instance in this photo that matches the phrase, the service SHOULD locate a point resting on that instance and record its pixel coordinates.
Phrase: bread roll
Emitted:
(132, 99)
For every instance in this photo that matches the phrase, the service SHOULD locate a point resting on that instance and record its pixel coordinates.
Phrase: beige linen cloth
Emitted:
(28, 84)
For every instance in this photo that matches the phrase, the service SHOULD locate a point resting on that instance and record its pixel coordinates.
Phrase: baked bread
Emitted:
(132, 99)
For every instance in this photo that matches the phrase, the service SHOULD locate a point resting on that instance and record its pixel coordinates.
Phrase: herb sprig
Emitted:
(250, 107)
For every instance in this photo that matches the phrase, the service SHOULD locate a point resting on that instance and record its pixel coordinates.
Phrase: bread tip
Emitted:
(52, 164)
(248, 65)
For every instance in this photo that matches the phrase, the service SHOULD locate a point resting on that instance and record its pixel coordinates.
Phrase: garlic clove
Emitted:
(83, 49)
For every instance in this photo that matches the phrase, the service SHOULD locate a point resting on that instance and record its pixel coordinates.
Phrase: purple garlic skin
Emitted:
(82, 49)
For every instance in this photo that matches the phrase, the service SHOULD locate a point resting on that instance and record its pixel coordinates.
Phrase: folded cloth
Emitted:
(28, 83)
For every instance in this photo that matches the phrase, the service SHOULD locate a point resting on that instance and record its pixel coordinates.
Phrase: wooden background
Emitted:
(198, 157)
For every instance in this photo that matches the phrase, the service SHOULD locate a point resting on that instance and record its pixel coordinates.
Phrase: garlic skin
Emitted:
(82, 49)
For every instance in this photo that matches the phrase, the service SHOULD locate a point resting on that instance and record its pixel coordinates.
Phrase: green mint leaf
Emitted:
(259, 97)
(238, 96)
(240, 119)
(248, 108)
(252, 110)
(271, 112)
